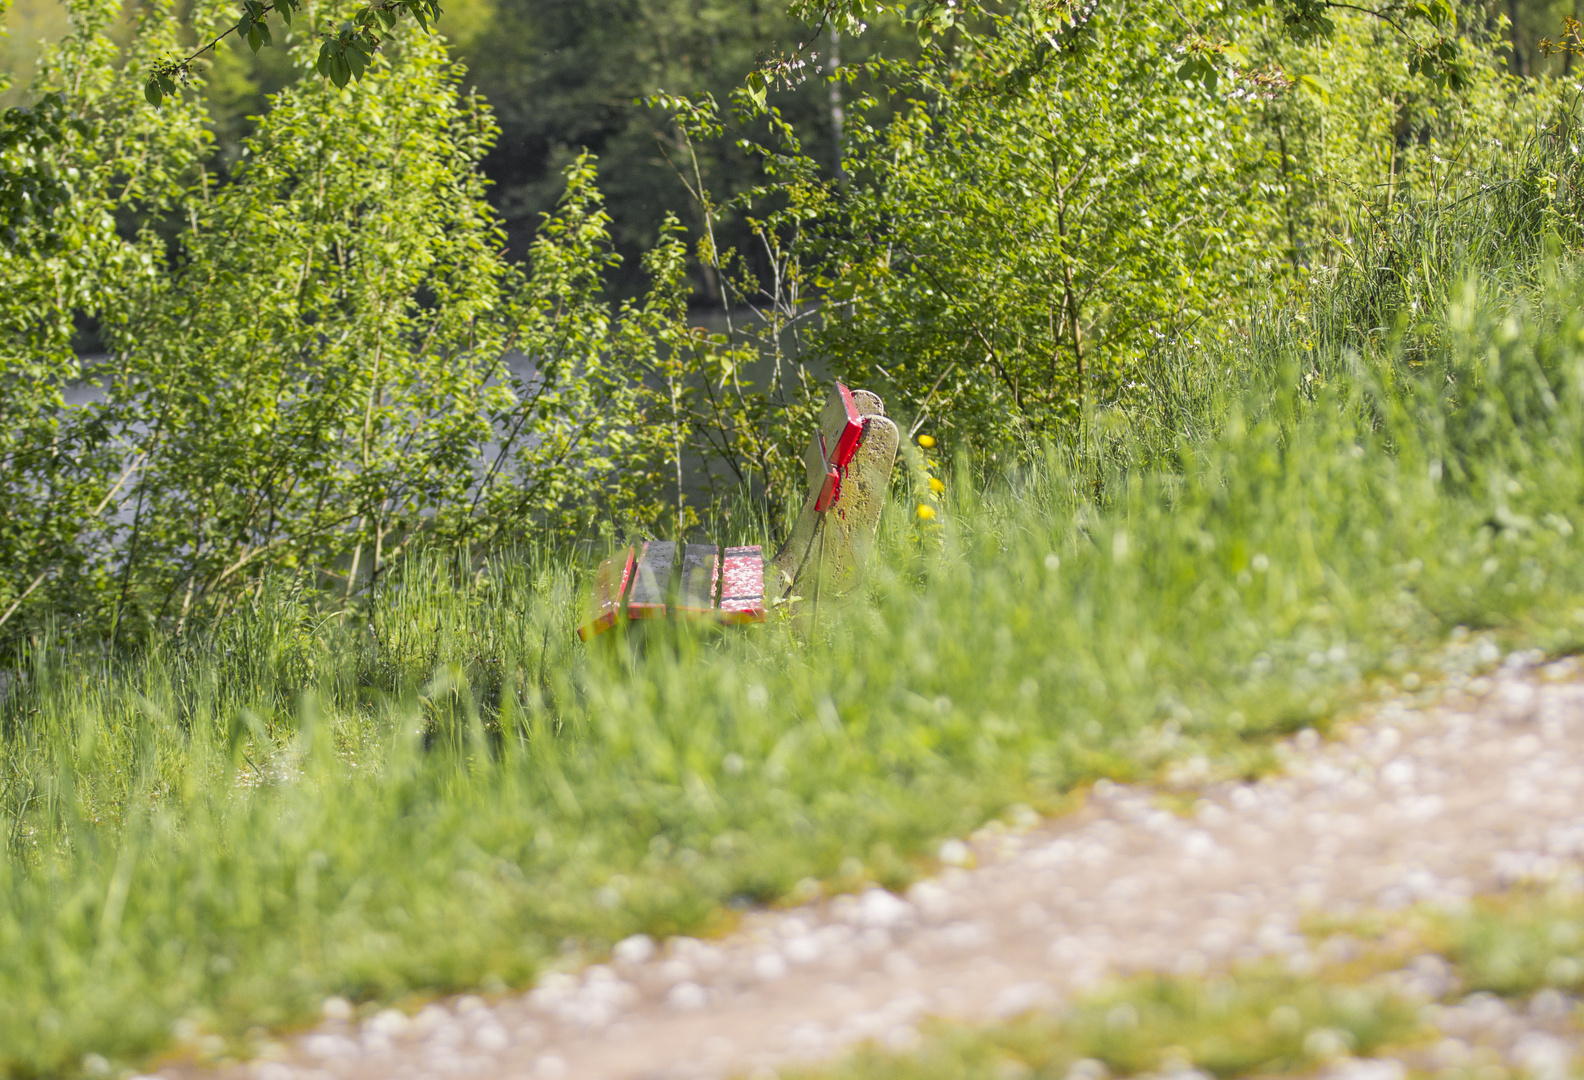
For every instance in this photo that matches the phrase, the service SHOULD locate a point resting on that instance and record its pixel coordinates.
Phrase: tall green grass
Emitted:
(450, 791)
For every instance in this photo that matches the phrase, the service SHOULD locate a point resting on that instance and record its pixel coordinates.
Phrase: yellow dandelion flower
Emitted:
(926, 441)
(925, 512)
(936, 486)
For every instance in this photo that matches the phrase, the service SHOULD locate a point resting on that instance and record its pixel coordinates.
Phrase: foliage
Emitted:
(1430, 34)
(321, 353)
(1014, 242)
(1003, 257)
(344, 54)
(61, 468)
(31, 190)
(330, 357)
(575, 75)
(327, 399)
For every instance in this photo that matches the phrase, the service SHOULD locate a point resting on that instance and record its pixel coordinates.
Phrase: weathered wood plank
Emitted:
(610, 584)
(849, 463)
(652, 580)
(853, 517)
(700, 571)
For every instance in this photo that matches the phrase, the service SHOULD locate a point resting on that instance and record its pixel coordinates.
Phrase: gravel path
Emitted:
(1479, 789)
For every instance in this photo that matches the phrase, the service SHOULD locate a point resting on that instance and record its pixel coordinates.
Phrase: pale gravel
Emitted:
(1465, 791)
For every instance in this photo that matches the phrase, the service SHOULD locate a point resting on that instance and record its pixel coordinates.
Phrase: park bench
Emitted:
(848, 460)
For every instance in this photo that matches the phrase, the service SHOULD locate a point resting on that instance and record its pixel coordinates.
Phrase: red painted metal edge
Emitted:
(627, 573)
(838, 456)
(597, 626)
(852, 431)
(828, 492)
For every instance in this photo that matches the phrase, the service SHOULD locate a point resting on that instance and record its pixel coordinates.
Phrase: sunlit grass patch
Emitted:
(1255, 1020)
(1515, 944)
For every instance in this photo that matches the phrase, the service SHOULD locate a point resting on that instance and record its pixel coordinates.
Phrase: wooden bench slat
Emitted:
(610, 583)
(700, 564)
(849, 462)
(648, 599)
(742, 585)
(833, 446)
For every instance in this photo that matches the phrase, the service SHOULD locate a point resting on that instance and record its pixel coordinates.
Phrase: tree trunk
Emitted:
(838, 118)
(1520, 61)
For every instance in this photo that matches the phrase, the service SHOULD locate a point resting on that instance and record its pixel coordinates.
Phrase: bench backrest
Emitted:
(849, 462)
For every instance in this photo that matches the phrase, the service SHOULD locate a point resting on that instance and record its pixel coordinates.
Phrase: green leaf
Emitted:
(340, 70)
(1316, 87)
(151, 91)
(286, 9)
(254, 39)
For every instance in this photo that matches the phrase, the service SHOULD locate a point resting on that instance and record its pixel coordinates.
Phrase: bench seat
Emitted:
(724, 586)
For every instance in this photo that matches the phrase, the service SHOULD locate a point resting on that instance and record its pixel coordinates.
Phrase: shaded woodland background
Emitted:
(564, 76)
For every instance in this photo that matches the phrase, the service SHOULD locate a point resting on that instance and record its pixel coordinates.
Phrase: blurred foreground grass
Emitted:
(449, 791)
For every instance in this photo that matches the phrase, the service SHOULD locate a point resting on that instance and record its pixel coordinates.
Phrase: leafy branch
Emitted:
(343, 55)
(1571, 42)
(32, 186)
(1440, 60)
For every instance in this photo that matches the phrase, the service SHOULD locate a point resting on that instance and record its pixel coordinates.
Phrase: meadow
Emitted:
(312, 719)
(445, 789)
